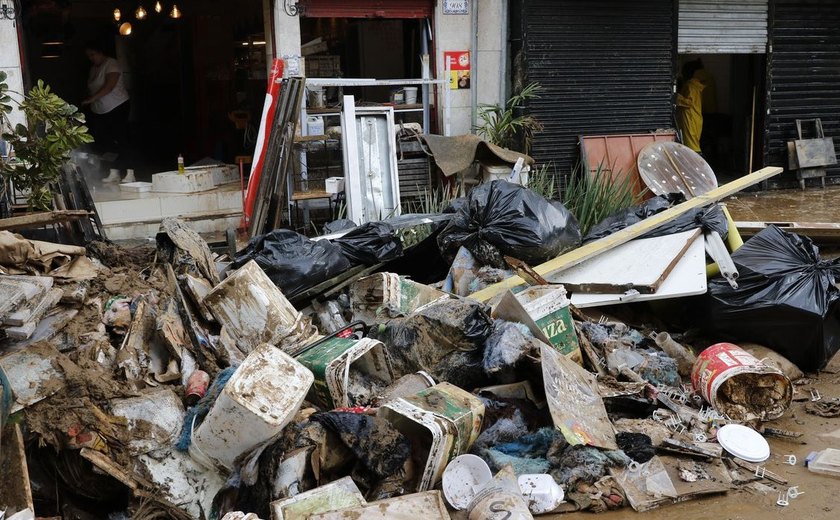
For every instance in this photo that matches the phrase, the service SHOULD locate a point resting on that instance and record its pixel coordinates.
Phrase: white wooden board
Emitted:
(687, 279)
(640, 262)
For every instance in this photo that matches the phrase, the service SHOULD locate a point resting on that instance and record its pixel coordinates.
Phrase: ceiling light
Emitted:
(140, 13)
(175, 12)
(158, 7)
(125, 29)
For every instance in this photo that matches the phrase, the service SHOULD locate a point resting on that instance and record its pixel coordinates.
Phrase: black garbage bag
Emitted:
(710, 218)
(501, 218)
(786, 299)
(370, 244)
(381, 449)
(341, 224)
(455, 205)
(446, 339)
(293, 262)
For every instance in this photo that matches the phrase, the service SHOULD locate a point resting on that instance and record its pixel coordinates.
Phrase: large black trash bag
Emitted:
(446, 339)
(370, 244)
(293, 262)
(785, 300)
(501, 218)
(710, 218)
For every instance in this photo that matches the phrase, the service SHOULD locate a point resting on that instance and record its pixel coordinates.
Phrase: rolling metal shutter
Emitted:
(803, 70)
(606, 67)
(722, 26)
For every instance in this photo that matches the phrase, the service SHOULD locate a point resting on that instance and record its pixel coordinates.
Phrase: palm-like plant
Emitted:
(501, 126)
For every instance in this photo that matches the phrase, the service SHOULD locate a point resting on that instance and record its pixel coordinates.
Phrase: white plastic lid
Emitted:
(744, 443)
(463, 478)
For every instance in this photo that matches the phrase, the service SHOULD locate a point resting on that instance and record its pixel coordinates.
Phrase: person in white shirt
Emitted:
(108, 103)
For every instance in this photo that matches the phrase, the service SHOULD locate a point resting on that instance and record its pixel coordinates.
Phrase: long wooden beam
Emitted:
(595, 248)
(34, 220)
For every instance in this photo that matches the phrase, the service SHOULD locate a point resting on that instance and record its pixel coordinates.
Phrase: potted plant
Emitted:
(41, 148)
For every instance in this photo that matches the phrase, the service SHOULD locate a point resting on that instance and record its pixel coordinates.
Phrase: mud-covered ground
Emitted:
(821, 498)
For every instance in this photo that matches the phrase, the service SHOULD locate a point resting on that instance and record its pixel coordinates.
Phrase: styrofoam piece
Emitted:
(33, 374)
(162, 414)
(744, 443)
(191, 181)
(261, 397)
(463, 478)
(541, 492)
(181, 480)
(136, 187)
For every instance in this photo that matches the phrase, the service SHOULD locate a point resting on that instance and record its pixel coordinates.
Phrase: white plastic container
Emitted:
(504, 172)
(410, 95)
(334, 185)
(825, 462)
(261, 397)
(315, 125)
(542, 493)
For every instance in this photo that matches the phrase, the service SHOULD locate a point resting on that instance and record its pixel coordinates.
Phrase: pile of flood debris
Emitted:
(171, 382)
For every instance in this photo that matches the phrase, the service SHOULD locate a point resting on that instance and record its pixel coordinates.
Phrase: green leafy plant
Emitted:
(543, 182)
(54, 128)
(430, 202)
(501, 126)
(593, 197)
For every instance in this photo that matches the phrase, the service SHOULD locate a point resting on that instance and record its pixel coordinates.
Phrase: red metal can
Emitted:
(197, 386)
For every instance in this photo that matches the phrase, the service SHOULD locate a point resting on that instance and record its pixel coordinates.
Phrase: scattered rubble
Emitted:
(174, 382)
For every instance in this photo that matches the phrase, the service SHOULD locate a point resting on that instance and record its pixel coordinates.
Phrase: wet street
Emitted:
(785, 206)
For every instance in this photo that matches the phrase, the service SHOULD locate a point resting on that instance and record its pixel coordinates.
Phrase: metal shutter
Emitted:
(722, 26)
(606, 67)
(803, 73)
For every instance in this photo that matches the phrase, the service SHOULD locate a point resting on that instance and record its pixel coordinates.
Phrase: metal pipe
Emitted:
(425, 73)
(474, 76)
(505, 20)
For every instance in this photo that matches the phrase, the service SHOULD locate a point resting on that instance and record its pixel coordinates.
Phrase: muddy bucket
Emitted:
(442, 421)
(737, 384)
(262, 396)
(333, 359)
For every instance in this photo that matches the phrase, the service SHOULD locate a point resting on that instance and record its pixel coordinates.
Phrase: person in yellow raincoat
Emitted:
(690, 105)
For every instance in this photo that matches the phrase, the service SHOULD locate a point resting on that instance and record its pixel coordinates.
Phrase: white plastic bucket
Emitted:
(410, 95)
(262, 396)
(463, 478)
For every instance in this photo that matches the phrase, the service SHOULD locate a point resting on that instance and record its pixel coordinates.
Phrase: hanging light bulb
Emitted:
(125, 29)
(158, 7)
(140, 13)
(117, 15)
(175, 12)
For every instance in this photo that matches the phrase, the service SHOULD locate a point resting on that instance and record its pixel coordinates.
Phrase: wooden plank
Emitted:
(16, 491)
(640, 265)
(819, 231)
(595, 248)
(35, 220)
